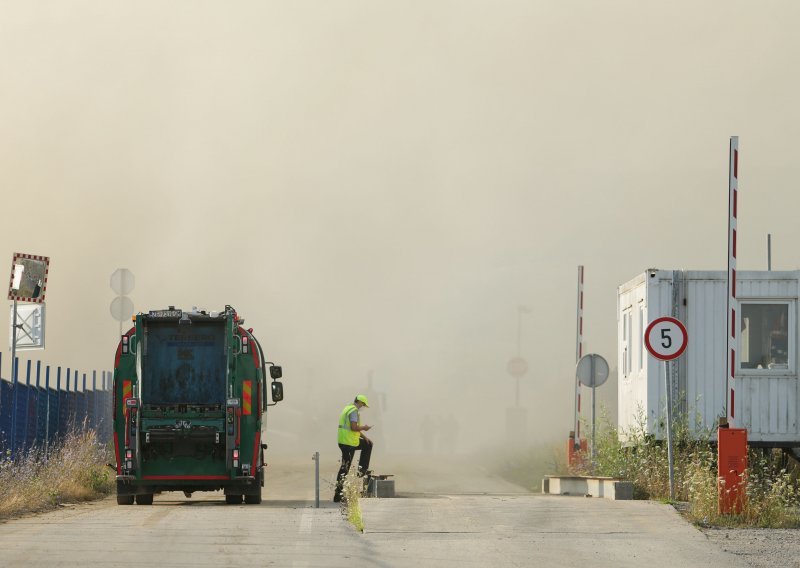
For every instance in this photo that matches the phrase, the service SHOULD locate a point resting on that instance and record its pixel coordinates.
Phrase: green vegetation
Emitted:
(771, 481)
(72, 471)
(353, 486)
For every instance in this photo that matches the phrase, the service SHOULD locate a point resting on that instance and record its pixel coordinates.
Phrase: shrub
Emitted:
(771, 482)
(351, 508)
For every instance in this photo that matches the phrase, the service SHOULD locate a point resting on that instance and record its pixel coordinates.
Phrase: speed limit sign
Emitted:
(666, 338)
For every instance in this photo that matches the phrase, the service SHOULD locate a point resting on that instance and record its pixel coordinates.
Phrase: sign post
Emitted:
(28, 283)
(666, 339)
(122, 283)
(592, 371)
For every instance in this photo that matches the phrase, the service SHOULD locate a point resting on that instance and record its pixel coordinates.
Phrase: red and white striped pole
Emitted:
(733, 183)
(578, 355)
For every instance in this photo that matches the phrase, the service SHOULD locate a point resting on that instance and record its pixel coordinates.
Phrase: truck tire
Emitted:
(124, 499)
(253, 499)
(233, 499)
(144, 499)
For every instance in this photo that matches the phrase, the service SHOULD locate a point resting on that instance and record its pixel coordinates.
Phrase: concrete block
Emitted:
(380, 488)
(385, 488)
(622, 490)
(605, 487)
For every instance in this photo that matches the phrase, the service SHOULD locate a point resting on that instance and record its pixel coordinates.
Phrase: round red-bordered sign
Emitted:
(666, 338)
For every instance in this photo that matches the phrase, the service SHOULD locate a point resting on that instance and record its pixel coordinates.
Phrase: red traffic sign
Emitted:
(517, 367)
(666, 338)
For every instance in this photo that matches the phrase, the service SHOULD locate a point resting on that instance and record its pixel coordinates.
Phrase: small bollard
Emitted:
(315, 458)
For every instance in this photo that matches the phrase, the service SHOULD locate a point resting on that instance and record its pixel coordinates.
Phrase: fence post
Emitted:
(94, 400)
(14, 373)
(85, 416)
(47, 420)
(58, 399)
(67, 399)
(27, 404)
(38, 439)
(1, 385)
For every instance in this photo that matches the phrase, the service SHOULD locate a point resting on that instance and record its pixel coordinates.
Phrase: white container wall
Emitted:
(767, 344)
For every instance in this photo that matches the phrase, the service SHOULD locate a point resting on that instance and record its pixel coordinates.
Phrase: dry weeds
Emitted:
(71, 471)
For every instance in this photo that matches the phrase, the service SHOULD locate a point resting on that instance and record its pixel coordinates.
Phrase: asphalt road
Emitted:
(448, 515)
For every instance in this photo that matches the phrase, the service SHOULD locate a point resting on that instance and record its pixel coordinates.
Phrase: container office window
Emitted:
(764, 336)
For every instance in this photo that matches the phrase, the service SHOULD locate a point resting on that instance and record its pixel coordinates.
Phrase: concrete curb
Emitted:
(606, 487)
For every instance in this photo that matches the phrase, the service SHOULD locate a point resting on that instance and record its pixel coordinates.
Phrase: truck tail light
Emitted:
(128, 454)
(236, 457)
(245, 344)
(125, 345)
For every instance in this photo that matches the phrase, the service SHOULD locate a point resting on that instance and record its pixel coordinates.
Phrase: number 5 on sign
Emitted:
(666, 338)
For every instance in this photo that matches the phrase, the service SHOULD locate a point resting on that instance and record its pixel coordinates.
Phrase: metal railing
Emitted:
(41, 404)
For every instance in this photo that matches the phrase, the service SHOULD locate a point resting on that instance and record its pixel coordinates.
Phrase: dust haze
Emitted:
(378, 186)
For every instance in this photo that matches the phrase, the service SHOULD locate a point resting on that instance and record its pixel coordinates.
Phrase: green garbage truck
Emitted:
(190, 400)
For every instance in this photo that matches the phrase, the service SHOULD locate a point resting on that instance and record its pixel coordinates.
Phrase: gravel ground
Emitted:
(759, 547)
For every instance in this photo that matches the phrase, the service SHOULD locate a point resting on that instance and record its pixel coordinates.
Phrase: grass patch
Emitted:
(351, 508)
(73, 470)
(771, 482)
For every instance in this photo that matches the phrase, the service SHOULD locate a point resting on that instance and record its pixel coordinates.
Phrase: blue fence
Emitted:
(44, 403)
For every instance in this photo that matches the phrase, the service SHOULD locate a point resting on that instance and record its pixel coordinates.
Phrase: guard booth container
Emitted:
(766, 393)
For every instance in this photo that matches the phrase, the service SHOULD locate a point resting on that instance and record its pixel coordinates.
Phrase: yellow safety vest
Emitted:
(346, 435)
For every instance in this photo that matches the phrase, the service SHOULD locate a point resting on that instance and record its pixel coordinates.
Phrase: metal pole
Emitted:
(14, 370)
(730, 323)
(316, 474)
(668, 386)
(594, 382)
(47, 419)
(14, 342)
(27, 412)
(578, 354)
(769, 251)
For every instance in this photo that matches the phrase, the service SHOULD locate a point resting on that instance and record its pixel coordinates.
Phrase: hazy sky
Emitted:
(378, 185)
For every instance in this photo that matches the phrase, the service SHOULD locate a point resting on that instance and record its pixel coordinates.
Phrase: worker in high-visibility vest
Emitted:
(352, 438)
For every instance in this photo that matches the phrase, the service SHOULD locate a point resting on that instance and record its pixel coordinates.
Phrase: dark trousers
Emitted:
(347, 459)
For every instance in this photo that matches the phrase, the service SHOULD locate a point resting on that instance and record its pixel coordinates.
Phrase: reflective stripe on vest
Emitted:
(346, 435)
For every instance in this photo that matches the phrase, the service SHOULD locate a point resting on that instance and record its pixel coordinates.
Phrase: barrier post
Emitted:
(731, 469)
(315, 457)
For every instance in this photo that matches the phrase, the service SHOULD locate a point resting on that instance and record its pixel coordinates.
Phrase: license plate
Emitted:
(165, 313)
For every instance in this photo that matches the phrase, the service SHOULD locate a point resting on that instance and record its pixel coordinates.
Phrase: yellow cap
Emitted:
(363, 398)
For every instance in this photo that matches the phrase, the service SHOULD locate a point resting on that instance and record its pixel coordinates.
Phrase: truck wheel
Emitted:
(124, 499)
(254, 499)
(144, 499)
(233, 499)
